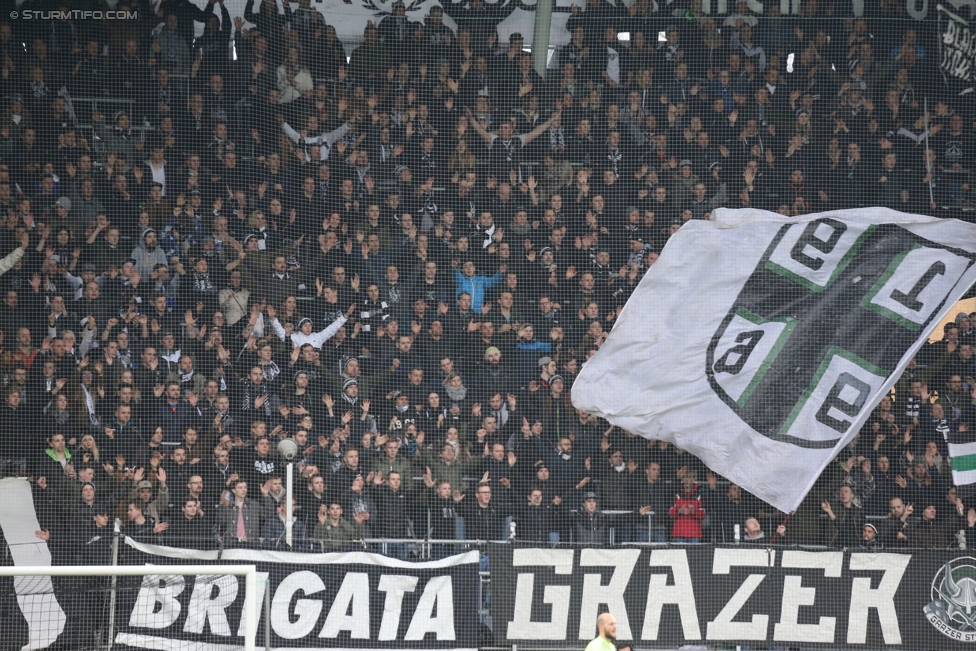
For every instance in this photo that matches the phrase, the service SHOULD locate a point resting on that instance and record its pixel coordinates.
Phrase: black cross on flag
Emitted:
(761, 343)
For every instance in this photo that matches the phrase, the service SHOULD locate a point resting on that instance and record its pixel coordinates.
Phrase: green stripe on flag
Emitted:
(964, 463)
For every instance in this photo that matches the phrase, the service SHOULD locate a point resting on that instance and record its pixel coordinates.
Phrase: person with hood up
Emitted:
(967, 333)
(147, 254)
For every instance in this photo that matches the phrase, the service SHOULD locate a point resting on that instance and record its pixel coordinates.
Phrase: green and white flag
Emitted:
(962, 456)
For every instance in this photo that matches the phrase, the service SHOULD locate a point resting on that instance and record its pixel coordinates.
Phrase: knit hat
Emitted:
(297, 373)
(490, 350)
(872, 527)
(553, 379)
(303, 321)
(348, 383)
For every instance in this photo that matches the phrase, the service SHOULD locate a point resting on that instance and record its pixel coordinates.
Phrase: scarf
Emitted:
(90, 403)
(501, 416)
(509, 146)
(615, 156)
(913, 406)
(39, 89)
(202, 283)
(270, 372)
(186, 377)
(456, 394)
(250, 395)
(556, 138)
(125, 357)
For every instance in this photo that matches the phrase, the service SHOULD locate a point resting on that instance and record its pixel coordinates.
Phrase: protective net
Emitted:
(398, 249)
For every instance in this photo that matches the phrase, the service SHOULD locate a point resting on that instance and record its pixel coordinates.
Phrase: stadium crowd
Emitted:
(401, 260)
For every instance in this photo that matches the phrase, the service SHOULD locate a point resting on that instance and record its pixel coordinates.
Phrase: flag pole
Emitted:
(782, 524)
(928, 163)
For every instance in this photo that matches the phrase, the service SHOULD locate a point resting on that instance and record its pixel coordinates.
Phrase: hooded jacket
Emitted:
(145, 259)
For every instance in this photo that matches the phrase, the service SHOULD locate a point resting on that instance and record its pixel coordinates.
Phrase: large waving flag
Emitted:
(761, 343)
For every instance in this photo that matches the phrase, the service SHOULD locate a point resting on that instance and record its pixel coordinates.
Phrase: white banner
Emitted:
(35, 594)
(761, 343)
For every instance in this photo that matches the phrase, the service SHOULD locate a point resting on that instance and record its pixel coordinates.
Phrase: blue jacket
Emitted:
(274, 534)
(476, 286)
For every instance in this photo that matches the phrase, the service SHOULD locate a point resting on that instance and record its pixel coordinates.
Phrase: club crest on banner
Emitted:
(383, 9)
(952, 610)
(788, 357)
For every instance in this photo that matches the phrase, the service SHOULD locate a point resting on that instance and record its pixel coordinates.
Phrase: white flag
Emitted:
(761, 343)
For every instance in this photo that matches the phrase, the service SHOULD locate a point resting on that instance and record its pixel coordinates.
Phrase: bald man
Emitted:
(606, 627)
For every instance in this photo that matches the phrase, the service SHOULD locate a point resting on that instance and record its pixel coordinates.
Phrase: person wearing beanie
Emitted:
(355, 400)
(305, 334)
(492, 377)
(869, 537)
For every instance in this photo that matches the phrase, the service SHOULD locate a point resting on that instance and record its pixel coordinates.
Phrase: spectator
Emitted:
(687, 512)
(275, 529)
(242, 518)
(844, 519)
(336, 532)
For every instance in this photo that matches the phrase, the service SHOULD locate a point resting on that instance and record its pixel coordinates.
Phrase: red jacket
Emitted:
(687, 525)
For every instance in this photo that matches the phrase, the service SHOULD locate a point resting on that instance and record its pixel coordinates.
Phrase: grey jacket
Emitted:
(255, 513)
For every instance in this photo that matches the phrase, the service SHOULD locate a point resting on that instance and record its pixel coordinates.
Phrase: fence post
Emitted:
(110, 636)
(267, 613)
